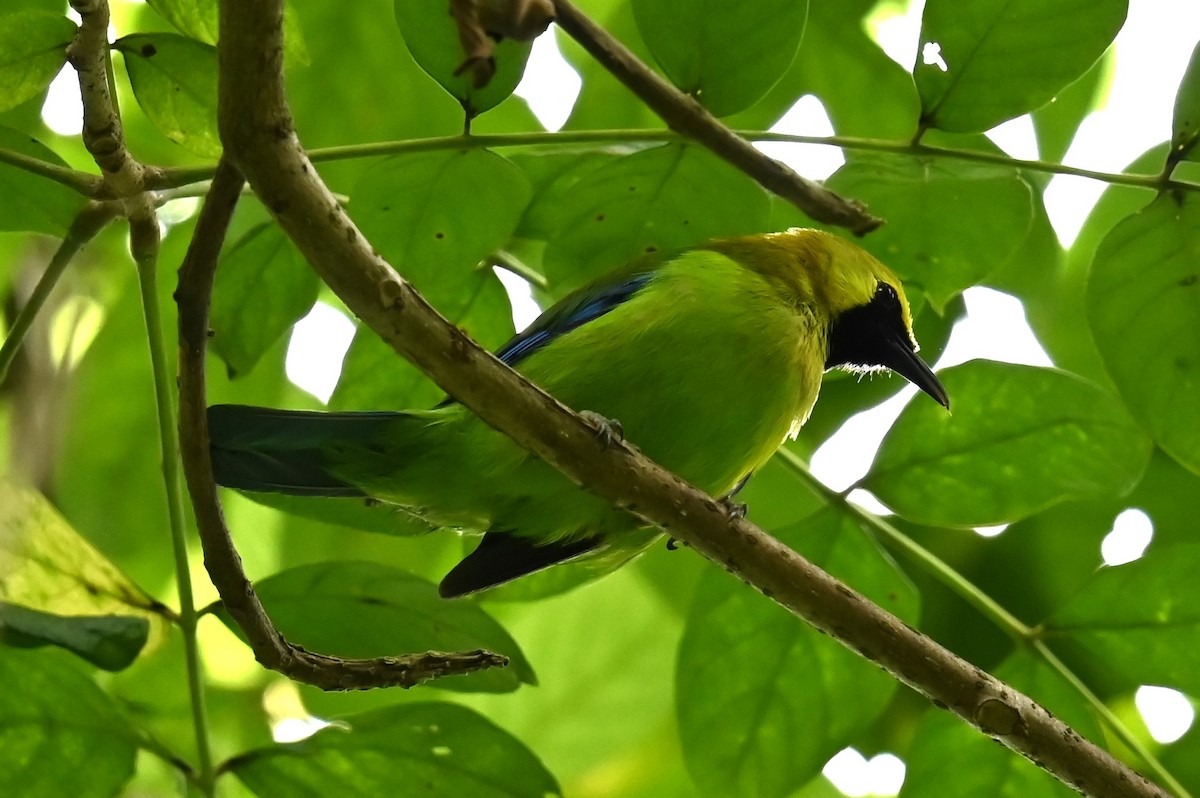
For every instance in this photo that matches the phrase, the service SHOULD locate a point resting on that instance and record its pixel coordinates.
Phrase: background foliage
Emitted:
(667, 678)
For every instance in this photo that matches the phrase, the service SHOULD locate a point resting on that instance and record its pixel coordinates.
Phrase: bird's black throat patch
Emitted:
(866, 336)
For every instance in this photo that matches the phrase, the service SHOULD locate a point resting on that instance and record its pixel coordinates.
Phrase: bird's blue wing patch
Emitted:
(573, 312)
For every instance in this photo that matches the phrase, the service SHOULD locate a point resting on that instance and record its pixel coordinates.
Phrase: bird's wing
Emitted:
(573, 311)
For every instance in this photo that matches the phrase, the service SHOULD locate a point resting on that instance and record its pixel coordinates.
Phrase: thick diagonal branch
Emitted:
(257, 131)
(220, 557)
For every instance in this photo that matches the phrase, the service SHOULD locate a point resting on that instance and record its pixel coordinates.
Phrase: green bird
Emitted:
(708, 358)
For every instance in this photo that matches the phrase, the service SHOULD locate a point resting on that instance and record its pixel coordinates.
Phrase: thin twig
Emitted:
(220, 556)
(988, 607)
(186, 176)
(144, 244)
(82, 182)
(90, 221)
(259, 135)
(685, 115)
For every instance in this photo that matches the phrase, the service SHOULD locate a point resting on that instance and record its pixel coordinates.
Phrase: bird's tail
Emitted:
(288, 451)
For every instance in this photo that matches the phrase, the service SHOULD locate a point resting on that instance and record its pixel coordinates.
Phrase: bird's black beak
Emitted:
(900, 358)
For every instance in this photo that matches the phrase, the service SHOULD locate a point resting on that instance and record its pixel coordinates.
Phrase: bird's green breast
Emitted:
(708, 368)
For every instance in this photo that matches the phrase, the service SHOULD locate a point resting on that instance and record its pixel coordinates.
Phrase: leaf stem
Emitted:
(86, 184)
(511, 263)
(90, 221)
(178, 177)
(144, 241)
(1109, 717)
(990, 608)
(959, 584)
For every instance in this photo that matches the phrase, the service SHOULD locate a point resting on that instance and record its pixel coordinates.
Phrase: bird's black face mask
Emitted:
(875, 335)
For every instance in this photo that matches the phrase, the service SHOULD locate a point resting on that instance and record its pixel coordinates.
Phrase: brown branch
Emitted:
(220, 557)
(257, 131)
(686, 116)
(478, 22)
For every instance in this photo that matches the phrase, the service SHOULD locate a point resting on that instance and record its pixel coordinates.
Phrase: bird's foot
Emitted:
(736, 510)
(608, 430)
(675, 543)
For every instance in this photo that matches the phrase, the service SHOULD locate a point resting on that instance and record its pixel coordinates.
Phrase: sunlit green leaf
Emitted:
(645, 202)
(174, 79)
(1141, 619)
(198, 20)
(603, 100)
(1004, 58)
(440, 749)
(60, 734)
(726, 55)
(950, 223)
(194, 18)
(33, 47)
(29, 202)
(1143, 303)
(1185, 129)
(362, 609)
(435, 217)
(763, 699)
(262, 288)
(49, 568)
(1019, 439)
(949, 759)
(111, 642)
(1057, 122)
(431, 36)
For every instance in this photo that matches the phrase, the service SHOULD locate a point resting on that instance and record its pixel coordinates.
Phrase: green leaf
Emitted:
(33, 48)
(438, 749)
(434, 216)
(262, 288)
(1185, 127)
(431, 36)
(60, 734)
(1141, 619)
(1019, 440)
(604, 102)
(194, 18)
(1056, 122)
(840, 64)
(554, 176)
(726, 55)
(950, 224)
(362, 609)
(197, 19)
(1005, 58)
(646, 202)
(111, 642)
(1143, 304)
(29, 202)
(949, 759)
(50, 569)
(796, 697)
(174, 79)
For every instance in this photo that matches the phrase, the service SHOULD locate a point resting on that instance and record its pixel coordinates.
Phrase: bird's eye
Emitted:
(886, 294)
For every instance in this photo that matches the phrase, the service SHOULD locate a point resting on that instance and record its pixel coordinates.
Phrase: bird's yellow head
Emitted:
(861, 301)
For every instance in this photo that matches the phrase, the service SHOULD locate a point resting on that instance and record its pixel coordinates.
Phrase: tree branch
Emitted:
(685, 115)
(258, 134)
(220, 557)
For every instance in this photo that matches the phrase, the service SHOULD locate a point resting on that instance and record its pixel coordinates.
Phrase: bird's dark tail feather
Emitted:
(503, 557)
(285, 451)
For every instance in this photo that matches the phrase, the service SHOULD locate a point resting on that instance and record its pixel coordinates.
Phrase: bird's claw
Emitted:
(675, 543)
(608, 430)
(736, 510)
